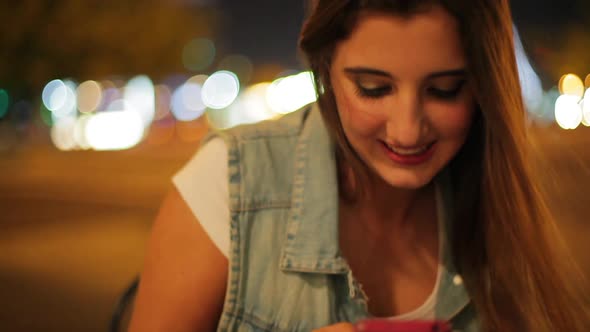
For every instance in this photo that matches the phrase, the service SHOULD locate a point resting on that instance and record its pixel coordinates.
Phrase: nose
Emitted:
(406, 119)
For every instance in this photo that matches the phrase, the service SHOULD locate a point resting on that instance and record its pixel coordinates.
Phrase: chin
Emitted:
(406, 179)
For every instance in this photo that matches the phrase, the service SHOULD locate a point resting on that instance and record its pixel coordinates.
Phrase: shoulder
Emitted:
(208, 165)
(203, 185)
(285, 126)
(261, 160)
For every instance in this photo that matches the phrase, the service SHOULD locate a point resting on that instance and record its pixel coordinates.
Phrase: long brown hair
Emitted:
(504, 241)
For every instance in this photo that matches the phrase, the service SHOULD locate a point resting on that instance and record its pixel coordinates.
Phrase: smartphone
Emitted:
(388, 325)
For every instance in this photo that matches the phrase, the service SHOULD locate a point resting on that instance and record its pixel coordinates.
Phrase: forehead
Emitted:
(427, 41)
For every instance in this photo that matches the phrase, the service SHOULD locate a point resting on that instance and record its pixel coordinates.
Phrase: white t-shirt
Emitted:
(203, 184)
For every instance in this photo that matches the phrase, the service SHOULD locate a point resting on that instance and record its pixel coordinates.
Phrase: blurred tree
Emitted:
(94, 39)
(556, 36)
(559, 51)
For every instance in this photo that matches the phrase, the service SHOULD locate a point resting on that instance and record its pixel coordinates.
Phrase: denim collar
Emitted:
(312, 230)
(312, 244)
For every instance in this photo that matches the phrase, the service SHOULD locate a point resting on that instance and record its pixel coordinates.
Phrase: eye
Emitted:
(446, 93)
(372, 91)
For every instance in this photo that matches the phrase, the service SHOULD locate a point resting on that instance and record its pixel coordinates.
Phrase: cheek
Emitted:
(355, 117)
(453, 122)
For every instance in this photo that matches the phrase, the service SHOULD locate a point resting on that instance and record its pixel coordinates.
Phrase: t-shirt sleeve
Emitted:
(203, 184)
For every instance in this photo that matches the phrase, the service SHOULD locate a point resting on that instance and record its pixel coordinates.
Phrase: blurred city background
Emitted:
(102, 101)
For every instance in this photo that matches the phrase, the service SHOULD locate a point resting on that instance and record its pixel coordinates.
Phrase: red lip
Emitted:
(411, 160)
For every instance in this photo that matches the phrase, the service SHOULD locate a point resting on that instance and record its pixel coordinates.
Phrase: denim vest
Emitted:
(286, 272)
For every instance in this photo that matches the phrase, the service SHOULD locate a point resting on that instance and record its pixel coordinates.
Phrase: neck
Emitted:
(376, 204)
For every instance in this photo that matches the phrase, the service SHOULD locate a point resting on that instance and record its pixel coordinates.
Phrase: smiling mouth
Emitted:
(414, 151)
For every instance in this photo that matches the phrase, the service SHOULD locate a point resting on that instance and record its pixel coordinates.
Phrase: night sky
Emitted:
(42, 43)
(266, 30)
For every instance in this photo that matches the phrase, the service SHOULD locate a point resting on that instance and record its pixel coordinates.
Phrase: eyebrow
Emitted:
(377, 72)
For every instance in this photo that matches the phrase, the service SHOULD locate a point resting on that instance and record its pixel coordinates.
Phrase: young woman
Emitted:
(404, 193)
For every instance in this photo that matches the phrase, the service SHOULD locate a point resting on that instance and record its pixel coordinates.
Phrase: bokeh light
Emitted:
(221, 89)
(532, 89)
(198, 54)
(163, 99)
(547, 109)
(572, 85)
(69, 105)
(192, 94)
(54, 95)
(198, 79)
(187, 104)
(191, 98)
(110, 93)
(4, 103)
(80, 132)
(250, 107)
(114, 130)
(568, 113)
(62, 133)
(140, 97)
(290, 93)
(586, 108)
(238, 64)
(587, 82)
(89, 96)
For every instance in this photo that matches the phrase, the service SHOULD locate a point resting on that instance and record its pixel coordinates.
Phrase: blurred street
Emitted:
(74, 224)
(74, 227)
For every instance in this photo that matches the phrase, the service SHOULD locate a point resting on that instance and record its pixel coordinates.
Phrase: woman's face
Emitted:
(403, 94)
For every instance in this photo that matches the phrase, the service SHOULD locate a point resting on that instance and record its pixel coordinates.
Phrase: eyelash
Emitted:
(374, 93)
(379, 92)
